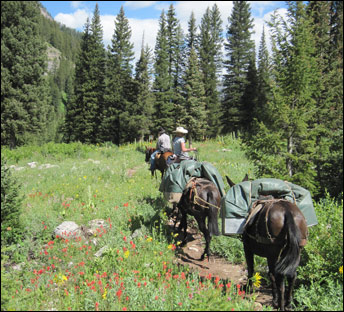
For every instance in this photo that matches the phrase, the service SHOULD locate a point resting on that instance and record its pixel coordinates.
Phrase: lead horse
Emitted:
(277, 230)
(201, 199)
(160, 160)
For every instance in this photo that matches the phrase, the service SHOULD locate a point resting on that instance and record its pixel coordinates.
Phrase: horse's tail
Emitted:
(212, 217)
(290, 254)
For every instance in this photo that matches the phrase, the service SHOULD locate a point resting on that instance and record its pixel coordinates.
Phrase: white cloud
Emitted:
(74, 20)
(75, 4)
(139, 4)
(150, 29)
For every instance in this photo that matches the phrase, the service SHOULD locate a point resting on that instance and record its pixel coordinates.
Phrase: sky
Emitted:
(144, 16)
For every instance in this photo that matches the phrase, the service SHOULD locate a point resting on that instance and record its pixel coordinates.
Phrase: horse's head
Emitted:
(149, 152)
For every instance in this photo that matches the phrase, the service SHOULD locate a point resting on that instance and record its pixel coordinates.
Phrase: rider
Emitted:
(162, 145)
(179, 147)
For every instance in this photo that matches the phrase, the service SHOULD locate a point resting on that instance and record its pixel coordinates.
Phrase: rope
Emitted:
(194, 188)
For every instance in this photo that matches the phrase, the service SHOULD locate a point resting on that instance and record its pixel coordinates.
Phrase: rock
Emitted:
(32, 164)
(68, 229)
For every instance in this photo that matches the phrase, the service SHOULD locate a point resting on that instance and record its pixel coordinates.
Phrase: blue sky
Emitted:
(144, 16)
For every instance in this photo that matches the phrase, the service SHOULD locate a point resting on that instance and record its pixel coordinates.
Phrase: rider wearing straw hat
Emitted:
(179, 147)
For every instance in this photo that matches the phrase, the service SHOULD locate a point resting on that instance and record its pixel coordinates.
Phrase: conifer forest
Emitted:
(286, 104)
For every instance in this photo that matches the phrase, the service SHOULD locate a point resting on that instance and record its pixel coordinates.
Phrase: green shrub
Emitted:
(10, 207)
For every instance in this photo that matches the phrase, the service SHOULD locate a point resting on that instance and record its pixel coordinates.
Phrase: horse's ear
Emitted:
(230, 182)
(245, 178)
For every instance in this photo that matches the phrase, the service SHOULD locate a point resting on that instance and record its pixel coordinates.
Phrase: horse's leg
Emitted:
(249, 256)
(271, 264)
(202, 227)
(183, 223)
(175, 213)
(280, 290)
(289, 295)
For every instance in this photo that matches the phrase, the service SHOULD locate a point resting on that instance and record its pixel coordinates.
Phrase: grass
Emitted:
(137, 270)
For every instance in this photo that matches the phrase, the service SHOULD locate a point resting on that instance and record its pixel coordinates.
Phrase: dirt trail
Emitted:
(217, 266)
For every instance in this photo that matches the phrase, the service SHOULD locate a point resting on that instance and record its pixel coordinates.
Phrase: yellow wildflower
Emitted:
(341, 269)
(256, 280)
(126, 254)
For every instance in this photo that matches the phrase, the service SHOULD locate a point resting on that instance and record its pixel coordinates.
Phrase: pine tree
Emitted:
(195, 115)
(11, 227)
(264, 79)
(25, 102)
(164, 114)
(210, 47)
(284, 144)
(144, 101)
(240, 51)
(175, 39)
(120, 100)
(329, 116)
(85, 113)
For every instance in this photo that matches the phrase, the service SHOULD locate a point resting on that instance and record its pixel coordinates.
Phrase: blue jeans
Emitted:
(152, 160)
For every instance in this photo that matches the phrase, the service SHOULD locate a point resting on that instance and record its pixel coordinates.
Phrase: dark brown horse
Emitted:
(276, 229)
(160, 160)
(201, 199)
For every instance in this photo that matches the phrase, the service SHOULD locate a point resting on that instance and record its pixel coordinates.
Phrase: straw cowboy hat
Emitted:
(181, 130)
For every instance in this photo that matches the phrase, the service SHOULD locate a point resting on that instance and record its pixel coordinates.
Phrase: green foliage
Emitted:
(11, 200)
(49, 150)
(210, 56)
(240, 53)
(321, 260)
(25, 103)
(137, 268)
(324, 250)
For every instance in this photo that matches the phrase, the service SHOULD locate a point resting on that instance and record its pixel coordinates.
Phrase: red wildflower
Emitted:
(119, 293)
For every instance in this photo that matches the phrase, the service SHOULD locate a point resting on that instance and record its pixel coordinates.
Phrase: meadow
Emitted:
(137, 269)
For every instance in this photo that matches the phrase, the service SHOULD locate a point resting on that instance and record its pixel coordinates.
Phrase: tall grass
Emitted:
(137, 269)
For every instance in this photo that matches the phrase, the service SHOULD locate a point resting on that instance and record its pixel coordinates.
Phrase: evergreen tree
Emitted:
(240, 51)
(175, 62)
(284, 144)
(164, 113)
(120, 107)
(326, 22)
(264, 79)
(11, 228)
(195, 115)
(210, 47)
(25, 102)
(144, 96)
(86, 110)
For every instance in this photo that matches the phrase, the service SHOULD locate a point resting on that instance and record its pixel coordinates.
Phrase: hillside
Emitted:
(131, 261)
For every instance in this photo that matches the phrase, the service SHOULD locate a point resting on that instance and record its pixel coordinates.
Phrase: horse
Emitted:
(160, 160)
(201, 199)
(277, 230)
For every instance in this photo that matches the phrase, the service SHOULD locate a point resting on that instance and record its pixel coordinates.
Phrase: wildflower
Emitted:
(341, 270)
(256, 280)
(172, 246)
(126, 254)
(149, 239)
(104, 294)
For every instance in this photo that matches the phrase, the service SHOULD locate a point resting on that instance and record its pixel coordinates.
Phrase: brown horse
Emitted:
(160, 160)
(201, 198)
(276, 229)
